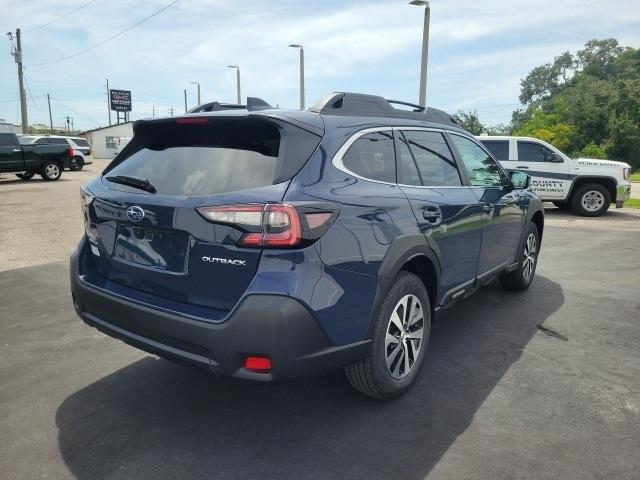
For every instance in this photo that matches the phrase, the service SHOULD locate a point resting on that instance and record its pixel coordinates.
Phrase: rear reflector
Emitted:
(258, 364)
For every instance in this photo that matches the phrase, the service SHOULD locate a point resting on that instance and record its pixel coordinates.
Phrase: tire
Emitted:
(77, 163)
(25, 175)
(51, 170)
(372, 375)
(591, 200)
(520, 279)
(562, 205)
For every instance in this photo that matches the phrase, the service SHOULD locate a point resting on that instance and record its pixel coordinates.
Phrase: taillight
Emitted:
(271, 225)
(70, 152)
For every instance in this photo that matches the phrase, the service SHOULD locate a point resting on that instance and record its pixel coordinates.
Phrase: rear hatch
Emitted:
(151, 242)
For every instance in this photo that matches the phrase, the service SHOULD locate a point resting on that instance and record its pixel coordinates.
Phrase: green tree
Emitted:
(549, 128)
(470, 121)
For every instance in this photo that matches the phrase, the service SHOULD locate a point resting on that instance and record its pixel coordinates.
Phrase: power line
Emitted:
(60, 17)
(33, 102)
(109, 38)
(74, 111)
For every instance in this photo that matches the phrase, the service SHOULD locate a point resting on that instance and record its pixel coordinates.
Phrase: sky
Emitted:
(478, 51)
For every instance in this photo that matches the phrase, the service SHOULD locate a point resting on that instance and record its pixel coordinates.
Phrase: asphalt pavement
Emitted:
(543, 384)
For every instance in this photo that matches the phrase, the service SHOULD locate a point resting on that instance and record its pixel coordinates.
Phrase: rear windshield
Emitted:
(222, 155)
(81, 142)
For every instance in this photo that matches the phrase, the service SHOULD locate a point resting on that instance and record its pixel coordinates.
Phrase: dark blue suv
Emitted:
(263, 243)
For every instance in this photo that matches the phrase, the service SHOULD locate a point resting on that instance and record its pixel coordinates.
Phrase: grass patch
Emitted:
(632, 203)
(635, 177)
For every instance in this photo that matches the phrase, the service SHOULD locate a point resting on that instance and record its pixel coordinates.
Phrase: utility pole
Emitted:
(425, 50)
(67, 130)
(185, 102)
(297, 45)
(17, 56)
(198, 84)
(108, 102)
(50, 118)
(237, 81)
(171, 110)
(153, 112)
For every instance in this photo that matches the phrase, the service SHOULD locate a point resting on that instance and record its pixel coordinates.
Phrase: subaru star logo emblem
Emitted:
(135, 213)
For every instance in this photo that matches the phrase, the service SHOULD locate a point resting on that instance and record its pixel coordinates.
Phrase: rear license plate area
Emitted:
(159, 249)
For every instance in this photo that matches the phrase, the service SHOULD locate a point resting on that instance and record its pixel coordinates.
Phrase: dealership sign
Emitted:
(120, 100)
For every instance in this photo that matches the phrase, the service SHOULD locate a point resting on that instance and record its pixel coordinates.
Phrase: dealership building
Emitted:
(104, 141)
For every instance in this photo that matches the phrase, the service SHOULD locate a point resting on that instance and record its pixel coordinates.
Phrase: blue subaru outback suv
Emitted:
(263, 243)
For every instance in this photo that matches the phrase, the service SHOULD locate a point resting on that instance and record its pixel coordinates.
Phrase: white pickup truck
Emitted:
(586, 185)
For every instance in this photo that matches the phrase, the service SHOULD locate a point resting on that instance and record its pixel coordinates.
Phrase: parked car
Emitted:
(81, 149)
(266, 243)
(586, 185)
(29, 160)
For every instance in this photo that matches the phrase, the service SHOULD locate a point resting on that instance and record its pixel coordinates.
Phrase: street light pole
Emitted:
(237, 81)
(425, 50)
(297, 45)
(198, 84)
(185, 101)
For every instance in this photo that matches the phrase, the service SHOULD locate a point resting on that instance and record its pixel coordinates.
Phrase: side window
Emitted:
(6, 140)
(436, 166)
(498, 148)
(533, 152)
(41, 141)
(58, 141)
(483, 171)
(372, 156)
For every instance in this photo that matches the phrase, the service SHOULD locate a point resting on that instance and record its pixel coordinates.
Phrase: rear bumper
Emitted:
(623, 193)
(276, 326)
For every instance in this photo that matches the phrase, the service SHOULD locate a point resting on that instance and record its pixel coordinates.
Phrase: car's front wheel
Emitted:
(25, 175)
(520, 278)
(400, 337)
(591, 200)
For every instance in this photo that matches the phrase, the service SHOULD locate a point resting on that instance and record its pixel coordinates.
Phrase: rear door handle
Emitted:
(522, 167)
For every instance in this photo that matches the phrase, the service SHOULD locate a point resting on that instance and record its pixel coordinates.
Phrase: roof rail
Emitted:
(346, 103)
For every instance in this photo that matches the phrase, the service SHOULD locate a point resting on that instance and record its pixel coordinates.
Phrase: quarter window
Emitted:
(483, 171)
(372, 156)
(533, 152)
(498, 148)
(431, 154)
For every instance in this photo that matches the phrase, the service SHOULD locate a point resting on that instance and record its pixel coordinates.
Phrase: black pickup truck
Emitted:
(28, 160)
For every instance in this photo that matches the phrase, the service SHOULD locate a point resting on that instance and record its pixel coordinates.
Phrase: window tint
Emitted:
(58, 141)
(498, 148)
(372, 156)
(433, 158)
(42, 141)
(6, 140)
(482, 170)
(216, 157)
(533, 152)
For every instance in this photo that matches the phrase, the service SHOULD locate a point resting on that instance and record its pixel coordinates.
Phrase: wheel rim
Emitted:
(52, 170)
(592, 201)
(529, 262)
(404, 336)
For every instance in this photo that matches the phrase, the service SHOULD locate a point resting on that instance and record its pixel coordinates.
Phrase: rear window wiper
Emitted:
(135, 182)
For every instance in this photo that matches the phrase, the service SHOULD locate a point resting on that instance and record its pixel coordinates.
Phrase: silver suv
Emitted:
(81, 149)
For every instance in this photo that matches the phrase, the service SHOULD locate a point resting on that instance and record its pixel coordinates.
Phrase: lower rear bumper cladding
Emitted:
(275, 326)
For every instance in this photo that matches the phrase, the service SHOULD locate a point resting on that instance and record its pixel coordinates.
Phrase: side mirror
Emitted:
(556, 158)
(519, 180)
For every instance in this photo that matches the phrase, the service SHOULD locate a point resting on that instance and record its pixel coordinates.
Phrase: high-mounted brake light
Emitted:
(188, 120)
(271, 225)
